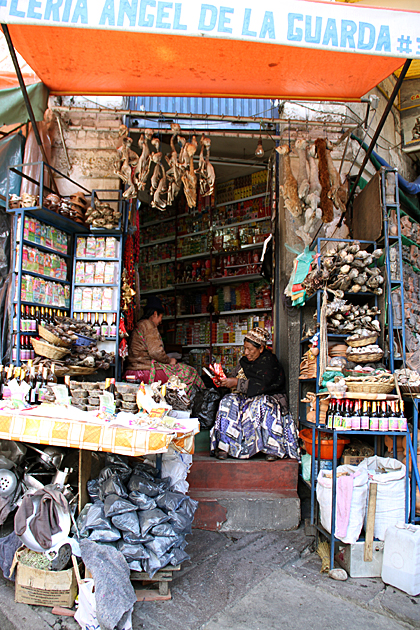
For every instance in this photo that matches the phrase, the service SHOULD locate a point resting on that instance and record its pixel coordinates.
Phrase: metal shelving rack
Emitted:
(208, 254)
(105, 196)
(394, 330)
(46, 217)
(317, 429)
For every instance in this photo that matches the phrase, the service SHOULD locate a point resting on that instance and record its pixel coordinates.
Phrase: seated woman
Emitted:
(255, 418)
(147, 359)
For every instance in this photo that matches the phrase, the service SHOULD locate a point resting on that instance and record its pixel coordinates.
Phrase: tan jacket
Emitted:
(145, 344)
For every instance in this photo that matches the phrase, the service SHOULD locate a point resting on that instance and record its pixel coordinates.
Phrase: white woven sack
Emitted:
(357, 506)
(389, 474)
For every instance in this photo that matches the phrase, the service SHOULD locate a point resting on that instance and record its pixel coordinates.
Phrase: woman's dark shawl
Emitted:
(265, 374)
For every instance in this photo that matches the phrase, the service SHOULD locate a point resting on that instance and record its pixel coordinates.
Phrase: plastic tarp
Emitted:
(11, 152)
(12, 106)
(410, 188)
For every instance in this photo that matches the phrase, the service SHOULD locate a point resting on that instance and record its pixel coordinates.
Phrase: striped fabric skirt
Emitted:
(247, 426)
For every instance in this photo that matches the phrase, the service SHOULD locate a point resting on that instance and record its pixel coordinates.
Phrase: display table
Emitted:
(32, 426)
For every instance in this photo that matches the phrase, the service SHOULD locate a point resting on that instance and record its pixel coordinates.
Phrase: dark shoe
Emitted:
(221, 455)
(62, 558)
(271, 458)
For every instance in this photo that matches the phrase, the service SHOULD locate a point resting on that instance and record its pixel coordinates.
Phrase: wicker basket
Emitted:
(406, 389)
(51, 338)
(366, 387)
(44, 349)
(76, 370)
(362, 341)
(368, 357)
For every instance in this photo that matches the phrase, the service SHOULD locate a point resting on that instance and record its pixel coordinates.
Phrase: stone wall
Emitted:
(90, 139)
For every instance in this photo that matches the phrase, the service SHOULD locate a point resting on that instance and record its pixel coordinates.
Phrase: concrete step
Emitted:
(246, 511)
(245, 495)
(242, 475)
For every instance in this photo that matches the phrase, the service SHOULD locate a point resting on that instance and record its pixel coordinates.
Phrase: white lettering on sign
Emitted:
(328, 26)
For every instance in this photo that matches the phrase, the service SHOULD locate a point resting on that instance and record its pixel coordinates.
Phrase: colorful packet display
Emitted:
(81, 247)
(110, 247)
(99, 272)
(107, 299)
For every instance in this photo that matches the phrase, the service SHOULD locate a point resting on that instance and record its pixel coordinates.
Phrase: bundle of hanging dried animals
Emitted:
(169, 172)
(317, 193)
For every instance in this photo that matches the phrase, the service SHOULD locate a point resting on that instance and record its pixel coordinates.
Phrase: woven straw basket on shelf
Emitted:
(44, 349)
(368, 357)
(362, 341)
(407, 389)
(51, 338)
(364, 387)
(73, 370)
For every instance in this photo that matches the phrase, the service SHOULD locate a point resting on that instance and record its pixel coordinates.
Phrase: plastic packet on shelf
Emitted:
(81, 247)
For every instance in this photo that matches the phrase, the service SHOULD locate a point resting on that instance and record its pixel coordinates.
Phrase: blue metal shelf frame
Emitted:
(118, 234)
(316, 437)
(17, 302)
(393, 284)
(378, 435)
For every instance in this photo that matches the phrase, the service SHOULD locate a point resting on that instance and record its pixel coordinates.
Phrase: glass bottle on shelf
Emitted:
(402, 420)
(32, 394)
(51, 375)
(347, 416)
(15, 324)
(104, 327)
(113, 327)
(384, 418)
(330, 413)
(14, 348)
(393, 417)
(97, 326)
(374, 418)
(356, 415)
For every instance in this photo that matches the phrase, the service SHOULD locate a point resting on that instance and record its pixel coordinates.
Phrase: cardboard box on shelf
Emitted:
(352, 460)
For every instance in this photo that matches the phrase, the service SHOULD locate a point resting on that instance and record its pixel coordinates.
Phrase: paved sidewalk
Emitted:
(265, 580)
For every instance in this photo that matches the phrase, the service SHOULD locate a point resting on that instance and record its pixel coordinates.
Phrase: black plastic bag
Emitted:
(164, 529)
(188, 507)
(206, 404)
(142, 501)
(160, 545)
(81, 522)
(170, 501)
(132, 552)
(145, 469)
(112, 485)
(151, 518)
(133, 539)
(93, 490)
(152, 564)
(180, 542)
(114, 505)
(135, 565)
(127, 522)
(180, 522)
(96, 518)
(121, 469)
(141, 484)
(105, 535)
(177, 556)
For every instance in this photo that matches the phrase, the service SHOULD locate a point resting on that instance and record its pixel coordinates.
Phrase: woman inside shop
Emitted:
(255, 418)
(147, 360)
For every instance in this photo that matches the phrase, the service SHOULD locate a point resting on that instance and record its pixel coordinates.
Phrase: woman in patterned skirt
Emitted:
(256, 417)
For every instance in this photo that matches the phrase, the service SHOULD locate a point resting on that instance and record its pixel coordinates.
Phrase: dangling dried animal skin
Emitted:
(154, 182)
(303, 181)
(158, 201)
(124, 171)
(189, 179)
(289, 189)
(207, 176)
(335, 182)
(314, 196)
(326, 204)
(142, 169)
